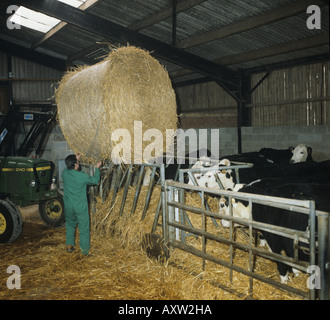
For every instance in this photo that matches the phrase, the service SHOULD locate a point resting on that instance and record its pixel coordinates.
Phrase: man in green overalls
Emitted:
(75, 202)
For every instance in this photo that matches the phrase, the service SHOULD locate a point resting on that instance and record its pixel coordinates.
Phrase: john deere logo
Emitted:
(20, 169)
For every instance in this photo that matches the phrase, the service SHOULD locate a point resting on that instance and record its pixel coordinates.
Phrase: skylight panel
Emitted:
(33, 20)
(73, 3)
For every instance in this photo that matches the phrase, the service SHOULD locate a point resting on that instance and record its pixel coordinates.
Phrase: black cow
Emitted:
(284, 218)
(316, 172)
(277, 156)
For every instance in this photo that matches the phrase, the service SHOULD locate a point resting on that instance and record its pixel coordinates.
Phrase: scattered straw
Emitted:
(120, 269)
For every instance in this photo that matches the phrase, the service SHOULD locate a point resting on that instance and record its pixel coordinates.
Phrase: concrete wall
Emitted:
(317, 137)
(255, 138)
(225, 140)
(278, 137)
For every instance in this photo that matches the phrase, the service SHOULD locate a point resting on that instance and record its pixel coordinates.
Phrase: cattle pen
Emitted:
(194, 227)
(175, 223)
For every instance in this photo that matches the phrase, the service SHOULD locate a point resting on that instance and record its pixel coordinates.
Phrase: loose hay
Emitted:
(127, 86)
(120, 269)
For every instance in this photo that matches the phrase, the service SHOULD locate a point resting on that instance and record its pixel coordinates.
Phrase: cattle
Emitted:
(280, 217)
(301, 153)
(173, 164)
(208, 178)
(263, 167)
(277, 156)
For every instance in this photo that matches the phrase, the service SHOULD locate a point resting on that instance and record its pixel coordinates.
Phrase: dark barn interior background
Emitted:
(252, 69)
(256, 73)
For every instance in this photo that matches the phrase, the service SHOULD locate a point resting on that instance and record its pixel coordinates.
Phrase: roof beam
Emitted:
(114, 32)
(33, 55)
(146, 22)
(50, 33)
(289, 63)
(302, 44)
(249, 23)
(164, 14)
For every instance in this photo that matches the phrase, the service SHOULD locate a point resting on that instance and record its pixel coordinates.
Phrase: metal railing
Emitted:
(115, 177)
(175, 223)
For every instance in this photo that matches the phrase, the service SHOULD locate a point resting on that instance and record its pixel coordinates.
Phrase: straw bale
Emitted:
(128, 85)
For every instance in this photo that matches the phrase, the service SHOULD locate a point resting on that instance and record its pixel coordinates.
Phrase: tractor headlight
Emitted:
(32, 183)
(53, 186)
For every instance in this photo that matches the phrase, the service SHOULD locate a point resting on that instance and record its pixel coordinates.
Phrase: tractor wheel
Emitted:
(52, 213)
(10, 222)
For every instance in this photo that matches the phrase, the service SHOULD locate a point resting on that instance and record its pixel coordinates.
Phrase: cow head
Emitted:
(239, 210)
(300, 153)
(226, 175)
(204, 179)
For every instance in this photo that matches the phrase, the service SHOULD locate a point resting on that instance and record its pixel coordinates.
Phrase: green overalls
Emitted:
(76, 205)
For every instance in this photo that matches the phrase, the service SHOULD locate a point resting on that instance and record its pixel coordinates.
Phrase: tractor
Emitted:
(26, 181)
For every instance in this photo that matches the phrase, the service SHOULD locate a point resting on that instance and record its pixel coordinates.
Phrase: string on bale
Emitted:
(99, 104)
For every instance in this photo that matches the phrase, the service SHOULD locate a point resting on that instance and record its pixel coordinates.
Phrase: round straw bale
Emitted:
(98, 105)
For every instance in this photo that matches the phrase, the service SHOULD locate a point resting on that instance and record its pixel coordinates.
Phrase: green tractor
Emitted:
(25, 182)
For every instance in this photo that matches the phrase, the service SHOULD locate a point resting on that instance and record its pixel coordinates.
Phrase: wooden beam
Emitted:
(114, 32)
(249, 23)
(50, 33)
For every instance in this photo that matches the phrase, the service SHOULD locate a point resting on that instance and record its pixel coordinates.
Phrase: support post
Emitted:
(243, 115)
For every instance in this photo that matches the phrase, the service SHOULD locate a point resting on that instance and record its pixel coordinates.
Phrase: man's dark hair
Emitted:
(70, 161)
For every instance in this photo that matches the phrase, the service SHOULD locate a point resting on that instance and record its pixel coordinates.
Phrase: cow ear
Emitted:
(309, 150)
(291, 149)
(225, 162)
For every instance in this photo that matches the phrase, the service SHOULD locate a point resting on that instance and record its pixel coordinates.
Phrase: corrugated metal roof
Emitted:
(196, 20)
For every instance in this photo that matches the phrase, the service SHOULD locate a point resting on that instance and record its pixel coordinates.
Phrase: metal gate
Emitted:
(177, 227)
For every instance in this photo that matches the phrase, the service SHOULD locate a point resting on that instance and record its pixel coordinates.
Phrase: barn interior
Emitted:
(246, 75)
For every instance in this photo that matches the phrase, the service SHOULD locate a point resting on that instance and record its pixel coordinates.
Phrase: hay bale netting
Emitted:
(126, 88)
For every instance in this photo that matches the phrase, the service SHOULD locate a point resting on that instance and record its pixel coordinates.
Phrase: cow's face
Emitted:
(300, 153)
(205, 161)
(239, 210)
(226, 175)
(206, 180)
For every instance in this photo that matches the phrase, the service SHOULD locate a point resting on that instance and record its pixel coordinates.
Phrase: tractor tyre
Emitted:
(52, 213)
(10, 222)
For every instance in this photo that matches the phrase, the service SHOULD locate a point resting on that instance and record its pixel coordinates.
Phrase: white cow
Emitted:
(300, 153)
(207, 179)
(203, 179)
